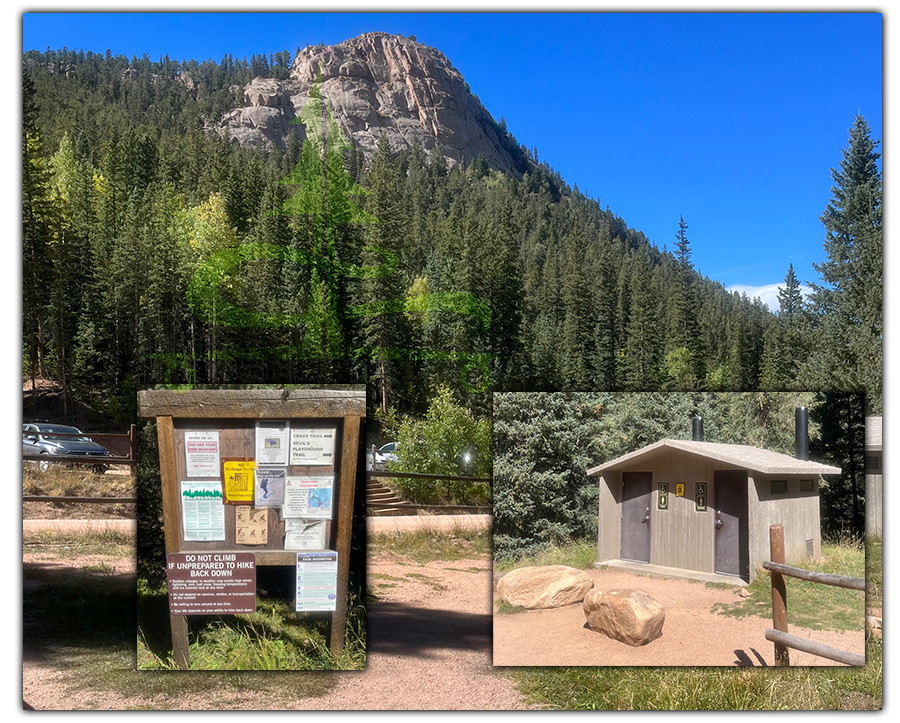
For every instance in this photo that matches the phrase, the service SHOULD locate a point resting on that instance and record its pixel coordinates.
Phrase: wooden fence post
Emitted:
(132, 445)
(779, 592)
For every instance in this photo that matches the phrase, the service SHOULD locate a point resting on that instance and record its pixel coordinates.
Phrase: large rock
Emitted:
(380, 84)
(547, 586)
(634, 617)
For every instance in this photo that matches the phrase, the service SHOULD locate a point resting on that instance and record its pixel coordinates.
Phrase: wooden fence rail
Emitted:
(779, 635)
(81, 500)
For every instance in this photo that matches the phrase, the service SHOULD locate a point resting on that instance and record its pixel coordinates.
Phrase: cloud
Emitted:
(768, 293)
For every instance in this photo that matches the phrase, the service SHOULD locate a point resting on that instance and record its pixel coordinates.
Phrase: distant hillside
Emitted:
(484, 271)
(379, 85)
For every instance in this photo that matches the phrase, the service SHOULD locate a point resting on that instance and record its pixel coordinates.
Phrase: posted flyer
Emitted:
(269, 487)
(251, 527)
(201, 453)
(304, 534)
(312, 446)
(272, 442)
(308, 497)
(316, 581)
(237, 480)
(202, 511)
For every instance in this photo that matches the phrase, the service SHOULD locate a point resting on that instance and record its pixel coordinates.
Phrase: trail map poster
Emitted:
(312, 446)
(316, 581)
(202, 511)
(308, 497)
(237, 480)
(201, 452)
(272, 442)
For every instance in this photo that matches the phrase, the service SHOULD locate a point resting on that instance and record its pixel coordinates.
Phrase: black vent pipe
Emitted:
(697, 429)
(801, 433)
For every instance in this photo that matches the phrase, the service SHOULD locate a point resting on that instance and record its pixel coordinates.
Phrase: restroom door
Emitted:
(635, 539)
(731, 523)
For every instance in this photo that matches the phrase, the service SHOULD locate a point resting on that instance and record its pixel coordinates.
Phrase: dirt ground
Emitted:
(692, 635)
(429, 631)
(76, 511)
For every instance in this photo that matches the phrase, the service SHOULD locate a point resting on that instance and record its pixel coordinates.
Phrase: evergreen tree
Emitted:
(35, 231)
(379, 334)
(848, 303)
(685, 358)
(841, 442)
(786, 341)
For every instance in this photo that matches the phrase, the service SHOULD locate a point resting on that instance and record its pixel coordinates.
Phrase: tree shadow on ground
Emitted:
(65, 609)
(399, 629)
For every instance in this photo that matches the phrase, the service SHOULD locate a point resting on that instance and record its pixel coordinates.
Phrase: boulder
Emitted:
(634, 617)
(547, 586)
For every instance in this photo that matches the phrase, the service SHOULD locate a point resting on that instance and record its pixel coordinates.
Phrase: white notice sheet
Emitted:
(201, 452)
(304, 534)
(312, 446)
(307, 497)
(316, 581)
(202, 510)
(272, 442)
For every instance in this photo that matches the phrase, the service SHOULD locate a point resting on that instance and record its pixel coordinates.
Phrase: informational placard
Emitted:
(202, 511)
(251, 527)
(237, 480)
(272, 442)
(304, 534)
(269, 486)
(308, 497)
(316, 581)
(201, 453)
(312, 446)
(215, 583)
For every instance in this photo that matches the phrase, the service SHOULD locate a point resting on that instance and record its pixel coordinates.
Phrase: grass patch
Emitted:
(425, 546)
(273, 638)
(811, 605)
(61, 482)
(108, 542)
(579, 554)
(426, 581)
(874, 582)
(706, 688)
(504, 608)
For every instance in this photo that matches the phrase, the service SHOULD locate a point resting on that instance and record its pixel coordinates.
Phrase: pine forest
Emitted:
(158, 252)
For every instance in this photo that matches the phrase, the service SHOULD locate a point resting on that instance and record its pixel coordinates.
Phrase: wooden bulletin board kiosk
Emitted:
(270, 472)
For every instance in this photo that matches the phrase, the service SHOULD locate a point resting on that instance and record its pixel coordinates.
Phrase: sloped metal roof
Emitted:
(740, 455)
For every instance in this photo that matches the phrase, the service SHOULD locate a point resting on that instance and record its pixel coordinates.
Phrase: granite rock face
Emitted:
(378, 84)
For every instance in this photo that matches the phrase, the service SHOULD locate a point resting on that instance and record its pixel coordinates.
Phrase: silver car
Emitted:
(48, 439)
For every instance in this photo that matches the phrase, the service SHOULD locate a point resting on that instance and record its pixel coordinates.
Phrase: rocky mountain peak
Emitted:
(378, 84)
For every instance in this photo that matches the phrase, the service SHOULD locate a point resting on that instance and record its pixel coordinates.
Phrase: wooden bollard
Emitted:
(779, 592)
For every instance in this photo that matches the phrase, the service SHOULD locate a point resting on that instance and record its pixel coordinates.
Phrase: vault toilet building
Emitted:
(704, 509)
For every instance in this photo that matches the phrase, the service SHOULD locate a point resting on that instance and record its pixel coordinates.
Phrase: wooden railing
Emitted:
(779, 635)
(468, 509)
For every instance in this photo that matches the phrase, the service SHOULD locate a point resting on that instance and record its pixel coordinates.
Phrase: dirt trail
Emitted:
(429, 648)
(692, 635)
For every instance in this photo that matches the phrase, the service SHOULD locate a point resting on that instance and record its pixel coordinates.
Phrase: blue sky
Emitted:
(732, 121)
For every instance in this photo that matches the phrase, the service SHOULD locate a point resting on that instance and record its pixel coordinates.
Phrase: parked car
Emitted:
(45, 439)
(384, 454)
